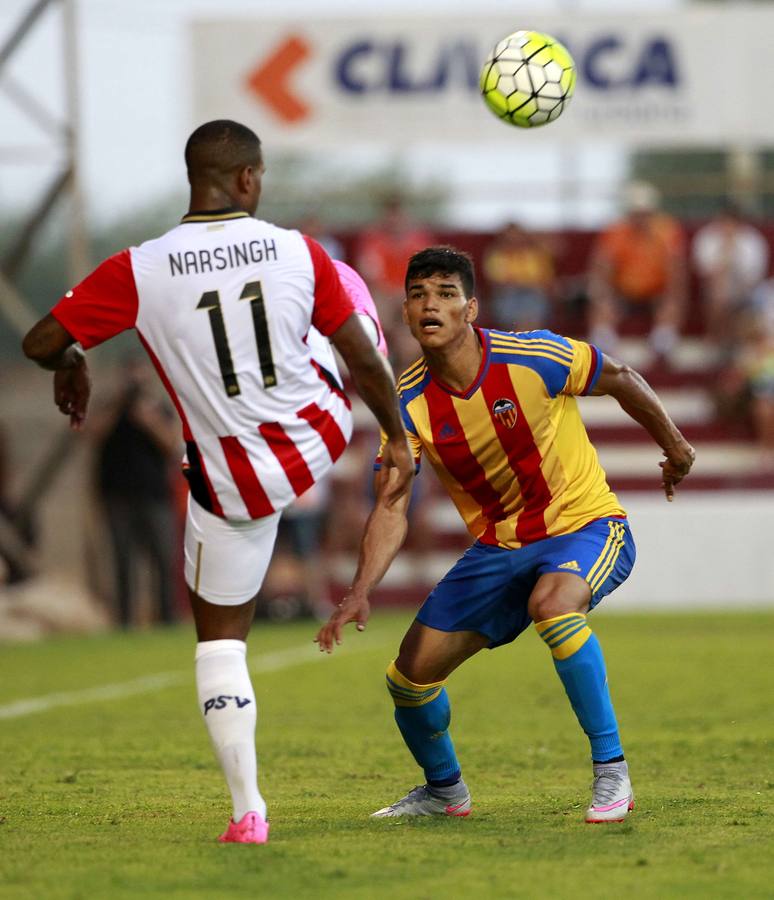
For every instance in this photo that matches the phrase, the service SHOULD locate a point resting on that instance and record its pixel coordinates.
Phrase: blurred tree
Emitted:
(343, 200)
(695, 184)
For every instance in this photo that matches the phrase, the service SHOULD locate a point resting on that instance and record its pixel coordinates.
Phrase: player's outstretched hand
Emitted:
(72, 389)
(678, 462)
(353, 608)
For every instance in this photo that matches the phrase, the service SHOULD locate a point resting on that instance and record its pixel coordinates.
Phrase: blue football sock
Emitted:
(579, 662)
(422, 712)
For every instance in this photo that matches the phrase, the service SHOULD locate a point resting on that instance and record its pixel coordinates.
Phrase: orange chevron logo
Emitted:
(270, 80)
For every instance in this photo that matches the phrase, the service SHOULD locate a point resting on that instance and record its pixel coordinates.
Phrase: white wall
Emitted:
(704, 549)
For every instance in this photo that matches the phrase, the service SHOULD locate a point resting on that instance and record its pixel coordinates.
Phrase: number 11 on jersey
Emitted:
(252, 292)
(210, 300)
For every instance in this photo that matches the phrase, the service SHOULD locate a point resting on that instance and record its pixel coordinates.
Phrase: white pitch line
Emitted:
(292, 656)
(269, 662)
(142, 685)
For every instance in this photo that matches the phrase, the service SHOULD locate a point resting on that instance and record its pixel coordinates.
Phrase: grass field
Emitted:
(113, 792)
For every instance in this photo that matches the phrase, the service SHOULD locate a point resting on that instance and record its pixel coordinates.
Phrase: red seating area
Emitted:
(726, 454)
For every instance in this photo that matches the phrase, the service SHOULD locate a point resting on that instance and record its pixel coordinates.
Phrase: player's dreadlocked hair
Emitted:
(443, 260)
(218, 148)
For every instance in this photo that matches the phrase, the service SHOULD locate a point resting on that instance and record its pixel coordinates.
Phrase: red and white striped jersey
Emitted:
(223, 304)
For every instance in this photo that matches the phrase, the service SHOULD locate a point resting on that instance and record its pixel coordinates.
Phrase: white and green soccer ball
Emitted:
(528, 79)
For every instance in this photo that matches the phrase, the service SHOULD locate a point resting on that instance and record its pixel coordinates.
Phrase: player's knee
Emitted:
(408, 693)
(558, 595)
(547, 604)
(539, 602)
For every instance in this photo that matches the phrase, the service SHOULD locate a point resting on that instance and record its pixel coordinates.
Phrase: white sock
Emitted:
(227, 701)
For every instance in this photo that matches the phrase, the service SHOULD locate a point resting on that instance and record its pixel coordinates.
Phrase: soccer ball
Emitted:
(528, 79)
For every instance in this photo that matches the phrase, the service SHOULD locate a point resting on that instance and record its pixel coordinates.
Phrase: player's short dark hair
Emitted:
(219, 148)
(443, 260)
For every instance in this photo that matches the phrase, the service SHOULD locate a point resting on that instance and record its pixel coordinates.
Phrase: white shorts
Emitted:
(226, 562)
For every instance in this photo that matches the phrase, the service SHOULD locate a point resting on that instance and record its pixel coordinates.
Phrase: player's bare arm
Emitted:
(638, 400)
(52, 347)
(375, 383)
(384, 536)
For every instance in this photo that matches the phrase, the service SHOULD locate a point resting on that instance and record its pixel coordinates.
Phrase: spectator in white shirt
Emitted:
(731, 258)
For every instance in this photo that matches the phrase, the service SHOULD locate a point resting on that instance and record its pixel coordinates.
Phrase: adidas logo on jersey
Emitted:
(571, 566)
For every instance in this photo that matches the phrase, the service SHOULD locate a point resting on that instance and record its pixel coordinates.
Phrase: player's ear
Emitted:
(405, 311)
(246, 178)
(471, 313)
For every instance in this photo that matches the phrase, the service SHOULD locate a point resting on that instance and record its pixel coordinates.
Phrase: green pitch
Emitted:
(113, 792)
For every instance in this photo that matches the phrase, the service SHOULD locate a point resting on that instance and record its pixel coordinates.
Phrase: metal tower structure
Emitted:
(59, 140)
(58, 143)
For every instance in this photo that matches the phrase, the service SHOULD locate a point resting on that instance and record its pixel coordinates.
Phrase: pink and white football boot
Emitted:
(612, 797)
(250, 829)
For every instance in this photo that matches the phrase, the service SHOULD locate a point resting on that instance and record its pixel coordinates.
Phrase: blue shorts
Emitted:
(487, 590)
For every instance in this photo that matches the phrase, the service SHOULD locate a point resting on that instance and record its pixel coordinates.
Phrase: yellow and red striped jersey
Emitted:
(512, 450)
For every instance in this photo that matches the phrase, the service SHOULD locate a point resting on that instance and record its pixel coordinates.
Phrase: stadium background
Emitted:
(91, 163)
(108, 786)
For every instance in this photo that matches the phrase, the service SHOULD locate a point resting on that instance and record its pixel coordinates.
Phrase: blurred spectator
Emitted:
(381, 257)
(731, 258)
(638, 274)
(762, 304)
(137, 436)
(759, 367)
(385, 247)
(520, 270)
(312, 226)
(300, 540)
(748, 383)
